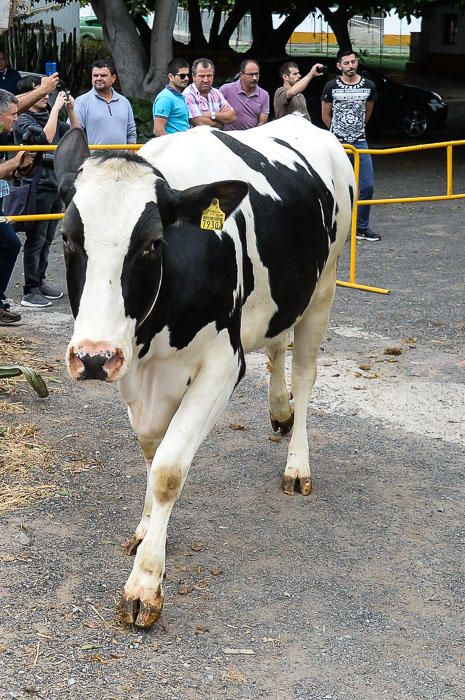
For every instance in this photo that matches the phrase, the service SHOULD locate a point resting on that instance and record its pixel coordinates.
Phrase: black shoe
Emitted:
(366, 234)
(8, 317)
(50, 292)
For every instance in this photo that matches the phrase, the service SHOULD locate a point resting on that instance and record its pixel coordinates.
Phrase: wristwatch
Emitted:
(213, 116)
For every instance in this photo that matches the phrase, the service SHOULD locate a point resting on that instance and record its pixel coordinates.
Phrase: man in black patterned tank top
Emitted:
(346, 107)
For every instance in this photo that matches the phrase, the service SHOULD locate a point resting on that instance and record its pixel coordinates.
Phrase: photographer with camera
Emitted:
(289, 97)
(40, 126)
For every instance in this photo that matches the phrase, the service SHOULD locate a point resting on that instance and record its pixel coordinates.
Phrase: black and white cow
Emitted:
(167, 307)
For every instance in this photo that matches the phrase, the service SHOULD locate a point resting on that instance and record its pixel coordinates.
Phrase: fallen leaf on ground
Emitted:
(393, 351)
(237, 426)
(197, 547)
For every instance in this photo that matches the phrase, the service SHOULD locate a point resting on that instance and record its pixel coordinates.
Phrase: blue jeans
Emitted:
(366, 184)
(10, 245)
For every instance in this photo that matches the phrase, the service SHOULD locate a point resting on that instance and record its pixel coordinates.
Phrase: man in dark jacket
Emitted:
(41, 127)
(9, 77)
(10, 245)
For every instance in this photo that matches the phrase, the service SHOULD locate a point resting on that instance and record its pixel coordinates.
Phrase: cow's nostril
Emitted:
(94, 367)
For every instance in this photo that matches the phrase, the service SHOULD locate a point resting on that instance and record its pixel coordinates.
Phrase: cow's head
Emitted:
(117, 210)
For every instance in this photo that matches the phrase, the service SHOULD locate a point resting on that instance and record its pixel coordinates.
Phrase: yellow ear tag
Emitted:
(213, 217)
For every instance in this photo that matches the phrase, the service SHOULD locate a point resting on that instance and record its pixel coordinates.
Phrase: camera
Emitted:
(322, 70)
(62, 87)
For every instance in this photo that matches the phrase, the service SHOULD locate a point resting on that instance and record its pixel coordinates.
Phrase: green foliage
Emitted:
(34, 378)
(143, 117)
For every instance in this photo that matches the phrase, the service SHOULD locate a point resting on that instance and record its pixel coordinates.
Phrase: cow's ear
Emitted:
(71, 152)
(168, 202)
(191, 204)
(225, 195)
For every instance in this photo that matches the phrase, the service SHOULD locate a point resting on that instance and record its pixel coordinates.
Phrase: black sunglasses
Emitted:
(183, 76)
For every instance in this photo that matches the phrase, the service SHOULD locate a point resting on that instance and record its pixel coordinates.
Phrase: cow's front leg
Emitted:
(281, 413)
(149, 447)
(308, 336)
(142, 599)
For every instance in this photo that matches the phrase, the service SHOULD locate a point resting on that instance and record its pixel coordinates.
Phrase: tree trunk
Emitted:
(139, 75)
(234, 17)
(262, 29)
(161, 46)
(197, 38)
(282, 34)
(124, 44)
(215, 27)
(339, 23)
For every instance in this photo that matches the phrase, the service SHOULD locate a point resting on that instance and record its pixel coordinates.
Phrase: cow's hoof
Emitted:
(140, 612)
(283, 426)
(131, 545)
(301, 484)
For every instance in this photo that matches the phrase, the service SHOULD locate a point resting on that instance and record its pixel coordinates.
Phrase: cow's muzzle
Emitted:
(95, 361)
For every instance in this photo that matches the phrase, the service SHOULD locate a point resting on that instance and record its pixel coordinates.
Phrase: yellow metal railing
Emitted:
(354, 152)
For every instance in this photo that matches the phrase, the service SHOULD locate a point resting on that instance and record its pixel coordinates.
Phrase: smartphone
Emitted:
(50, 67)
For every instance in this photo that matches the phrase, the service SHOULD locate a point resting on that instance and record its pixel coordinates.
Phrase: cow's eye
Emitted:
(151, 248)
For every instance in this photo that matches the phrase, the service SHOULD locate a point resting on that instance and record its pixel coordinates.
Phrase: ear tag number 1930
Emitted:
(213, 217)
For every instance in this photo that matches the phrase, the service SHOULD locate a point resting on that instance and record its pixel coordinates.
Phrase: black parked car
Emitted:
(409, 110)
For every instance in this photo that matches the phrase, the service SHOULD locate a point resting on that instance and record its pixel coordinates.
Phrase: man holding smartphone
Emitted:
(289, 97)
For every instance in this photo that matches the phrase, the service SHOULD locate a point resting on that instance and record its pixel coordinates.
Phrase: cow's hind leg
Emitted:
(281, 413)
(308, 336)
(149, 448)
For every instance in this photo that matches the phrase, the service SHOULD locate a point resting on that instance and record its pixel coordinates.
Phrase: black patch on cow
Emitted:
(121, 155)
(72, 232)
(198, 287)
(140, 275)
(129, 157)
(293, 235)
(247, 267)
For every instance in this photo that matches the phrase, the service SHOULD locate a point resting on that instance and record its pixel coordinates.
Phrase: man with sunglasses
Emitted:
(170, 111)
(250, 102)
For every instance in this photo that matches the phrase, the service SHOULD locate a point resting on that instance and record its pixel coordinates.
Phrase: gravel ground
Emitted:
(354, 593)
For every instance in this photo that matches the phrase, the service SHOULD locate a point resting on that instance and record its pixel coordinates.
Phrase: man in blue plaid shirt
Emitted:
(10, 245)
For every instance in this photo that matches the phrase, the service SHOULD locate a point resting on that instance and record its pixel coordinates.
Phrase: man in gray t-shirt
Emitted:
(104, 114)
(289, 97)
(346, 107)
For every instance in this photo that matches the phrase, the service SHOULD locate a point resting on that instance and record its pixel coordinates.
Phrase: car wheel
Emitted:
(413, 122)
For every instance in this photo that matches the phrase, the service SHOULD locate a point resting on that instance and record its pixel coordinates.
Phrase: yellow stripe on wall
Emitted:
(330, 39)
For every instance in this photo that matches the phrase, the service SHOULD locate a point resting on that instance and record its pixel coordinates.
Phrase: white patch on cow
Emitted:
(160, 386)
(102, 201)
